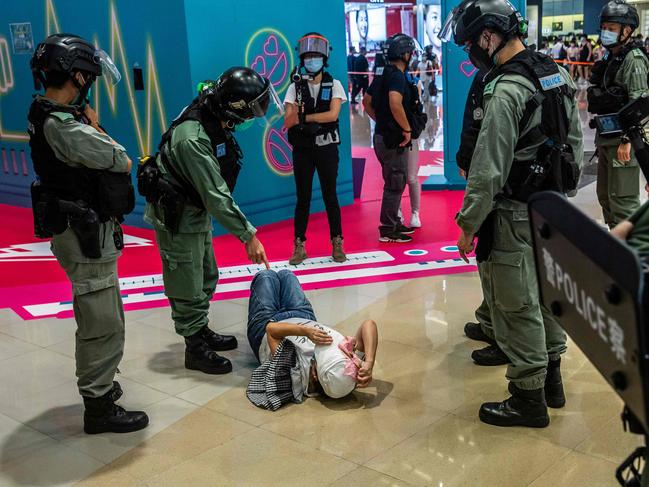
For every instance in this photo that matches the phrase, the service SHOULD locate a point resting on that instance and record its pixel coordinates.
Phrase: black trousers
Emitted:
(360, 83)
(305, 163)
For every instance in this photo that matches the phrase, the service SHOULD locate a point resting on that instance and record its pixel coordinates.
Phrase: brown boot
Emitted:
(299, 252)
(338, 253)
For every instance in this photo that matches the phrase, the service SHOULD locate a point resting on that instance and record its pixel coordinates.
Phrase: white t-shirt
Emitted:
(337, 91)
(424, 67)
(556, 50)
(306, 350)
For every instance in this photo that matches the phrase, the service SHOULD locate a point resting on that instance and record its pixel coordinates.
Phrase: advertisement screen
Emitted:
(367, 25)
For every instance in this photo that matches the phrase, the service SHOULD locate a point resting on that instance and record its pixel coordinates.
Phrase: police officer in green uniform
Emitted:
(190, 181)
(81, 194)
(529, 140)
(616, 80)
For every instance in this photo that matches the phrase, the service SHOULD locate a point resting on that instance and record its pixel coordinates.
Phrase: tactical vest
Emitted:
(57, 177)
(605, 95)
(109, 194)
(304, 134)
(224, 145)
(554, 167)
(473, 114)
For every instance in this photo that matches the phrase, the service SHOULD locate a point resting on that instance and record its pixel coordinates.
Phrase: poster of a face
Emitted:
(362, 24)
(433, 23)
(367, 26)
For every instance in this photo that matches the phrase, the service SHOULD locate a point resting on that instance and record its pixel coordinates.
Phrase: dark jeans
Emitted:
(394, 165)
(274, 296)
(305, 163)
(360, 83)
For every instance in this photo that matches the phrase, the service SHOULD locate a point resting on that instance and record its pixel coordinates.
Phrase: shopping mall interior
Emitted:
(417, 421)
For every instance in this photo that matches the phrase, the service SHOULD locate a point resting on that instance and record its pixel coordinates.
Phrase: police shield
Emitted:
(593, 283)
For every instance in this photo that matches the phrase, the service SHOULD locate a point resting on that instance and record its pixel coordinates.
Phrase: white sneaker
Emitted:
(415, 222)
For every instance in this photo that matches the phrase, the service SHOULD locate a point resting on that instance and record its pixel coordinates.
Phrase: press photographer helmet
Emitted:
(313, 43)
(469, 19)
(69, 54)
(398, 46)
(620, 12)
(239, 95)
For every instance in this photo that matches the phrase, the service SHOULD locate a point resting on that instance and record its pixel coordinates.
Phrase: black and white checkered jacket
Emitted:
(270, 385)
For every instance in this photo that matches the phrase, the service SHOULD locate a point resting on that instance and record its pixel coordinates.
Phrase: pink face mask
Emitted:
(353, 363)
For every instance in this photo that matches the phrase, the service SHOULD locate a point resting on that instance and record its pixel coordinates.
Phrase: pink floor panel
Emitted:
(34, 286)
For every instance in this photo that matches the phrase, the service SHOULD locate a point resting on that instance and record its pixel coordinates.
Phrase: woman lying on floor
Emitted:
(300, 357)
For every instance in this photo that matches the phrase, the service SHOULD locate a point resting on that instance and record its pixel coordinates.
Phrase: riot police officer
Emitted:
(394, 104)
(191, 180)
(529, 140)
(616, 80)
(83, 191)
(313, 104)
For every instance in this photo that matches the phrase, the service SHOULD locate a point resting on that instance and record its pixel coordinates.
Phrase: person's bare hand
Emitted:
(256, 252)
(319, 337)
(624, 152)
(463, 173)
(364, 377)
(92, 116)
(465, 244)
(406, 139)
(622, 230)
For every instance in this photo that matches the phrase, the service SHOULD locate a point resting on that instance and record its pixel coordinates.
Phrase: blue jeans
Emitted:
(274, 296)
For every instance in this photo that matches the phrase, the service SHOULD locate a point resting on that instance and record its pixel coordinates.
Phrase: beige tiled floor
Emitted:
(417, 424)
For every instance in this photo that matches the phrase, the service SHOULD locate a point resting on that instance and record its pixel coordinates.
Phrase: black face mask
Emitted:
(480, 58)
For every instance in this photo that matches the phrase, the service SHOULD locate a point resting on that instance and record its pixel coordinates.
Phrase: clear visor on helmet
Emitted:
(448, 30)
(108, 68)
(313, 44)
(267, 106)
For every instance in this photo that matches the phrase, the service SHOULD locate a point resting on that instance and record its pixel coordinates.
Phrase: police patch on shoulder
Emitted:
(379, 71)
(491, 86)
(637, 53)
(552, 81)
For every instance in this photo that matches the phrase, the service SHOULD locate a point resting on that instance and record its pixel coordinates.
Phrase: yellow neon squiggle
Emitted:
(51, 20)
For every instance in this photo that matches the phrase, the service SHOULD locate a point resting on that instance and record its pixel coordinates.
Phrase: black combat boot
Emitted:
(489, 356)
(216, 342)
(102, 415)
(524, 408)
(474, 332)
(554, 395)
(200, 356)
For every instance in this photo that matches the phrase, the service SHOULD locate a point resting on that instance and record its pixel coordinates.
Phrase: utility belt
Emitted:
(554, 169)
(53, 215)
(303, 135)
(157, 190)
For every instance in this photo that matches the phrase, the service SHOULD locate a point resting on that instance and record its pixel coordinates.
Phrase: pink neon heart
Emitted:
(259, 65)
(271, 47)
(467, 68)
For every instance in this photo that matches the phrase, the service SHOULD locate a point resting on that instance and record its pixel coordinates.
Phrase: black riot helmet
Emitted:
(620, 12)
(469, 19)
(70, 54)
(399, 45)
(239, 95)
